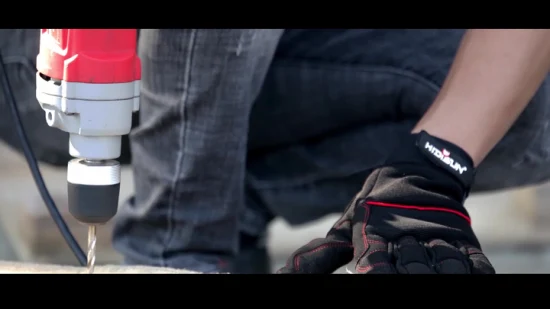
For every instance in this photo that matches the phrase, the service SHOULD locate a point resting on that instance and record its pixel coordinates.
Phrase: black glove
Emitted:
(409, 218)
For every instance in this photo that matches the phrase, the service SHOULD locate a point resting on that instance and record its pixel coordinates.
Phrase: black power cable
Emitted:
(35, 170)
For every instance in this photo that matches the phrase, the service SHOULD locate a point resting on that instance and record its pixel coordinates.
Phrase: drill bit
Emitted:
(92, 239)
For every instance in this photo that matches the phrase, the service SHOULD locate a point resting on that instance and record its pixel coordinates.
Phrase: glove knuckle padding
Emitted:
(448, 259)
(478, 262)
(411, 257)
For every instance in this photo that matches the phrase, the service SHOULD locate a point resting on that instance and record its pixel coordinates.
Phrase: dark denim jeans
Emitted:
(238, 126)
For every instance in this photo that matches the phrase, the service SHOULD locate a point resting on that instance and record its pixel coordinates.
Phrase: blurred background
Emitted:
(513, 226)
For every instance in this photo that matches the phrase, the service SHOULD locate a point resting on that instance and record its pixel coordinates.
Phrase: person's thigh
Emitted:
(322, 81)
(334, 104)
(189, 152)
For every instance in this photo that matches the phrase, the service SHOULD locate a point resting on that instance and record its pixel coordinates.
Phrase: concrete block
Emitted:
(32, 268)
(504, 220)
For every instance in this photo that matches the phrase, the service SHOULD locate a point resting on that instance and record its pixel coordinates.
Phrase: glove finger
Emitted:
(448, 259)
(374, 257)
(320, 256)
(479, 263)
(412, 257)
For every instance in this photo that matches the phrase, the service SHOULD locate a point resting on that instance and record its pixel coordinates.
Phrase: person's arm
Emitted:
(495, 74)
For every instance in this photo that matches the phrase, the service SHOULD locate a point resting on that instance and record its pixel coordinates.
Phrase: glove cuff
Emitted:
(424, 148)
(448, 156)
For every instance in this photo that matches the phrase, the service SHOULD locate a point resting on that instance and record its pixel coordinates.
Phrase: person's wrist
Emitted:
(447, 156)
(433, 157)
(475, 143)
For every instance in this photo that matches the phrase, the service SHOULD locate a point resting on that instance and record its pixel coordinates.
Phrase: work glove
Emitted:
(408, 218)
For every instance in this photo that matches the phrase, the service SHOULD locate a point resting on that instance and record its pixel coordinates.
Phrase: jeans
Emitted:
(239, 126)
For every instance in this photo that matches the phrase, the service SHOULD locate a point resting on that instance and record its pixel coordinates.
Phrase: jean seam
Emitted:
(179, 159)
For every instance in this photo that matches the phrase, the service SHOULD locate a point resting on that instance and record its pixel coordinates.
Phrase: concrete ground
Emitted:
(505, 227)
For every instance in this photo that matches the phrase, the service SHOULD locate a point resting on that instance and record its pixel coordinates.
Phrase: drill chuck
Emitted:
(93, 188)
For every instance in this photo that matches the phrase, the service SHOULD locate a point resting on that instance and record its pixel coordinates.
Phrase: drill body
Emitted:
(88, 85)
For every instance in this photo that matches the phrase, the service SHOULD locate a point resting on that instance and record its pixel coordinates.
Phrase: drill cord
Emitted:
(35, 170)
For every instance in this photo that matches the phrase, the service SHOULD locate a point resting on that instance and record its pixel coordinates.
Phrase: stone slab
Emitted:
(7, 267)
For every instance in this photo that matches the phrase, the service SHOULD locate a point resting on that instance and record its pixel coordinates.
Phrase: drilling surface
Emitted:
(8, 267)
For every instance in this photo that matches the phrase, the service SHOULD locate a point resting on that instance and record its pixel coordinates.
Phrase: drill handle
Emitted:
(92, 56)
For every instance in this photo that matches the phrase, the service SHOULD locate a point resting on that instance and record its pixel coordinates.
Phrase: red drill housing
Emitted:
(92, 56)
(88, 83)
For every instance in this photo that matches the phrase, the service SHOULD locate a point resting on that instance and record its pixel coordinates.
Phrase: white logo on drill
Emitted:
(51, 40)
(55, 35)
(443, 156)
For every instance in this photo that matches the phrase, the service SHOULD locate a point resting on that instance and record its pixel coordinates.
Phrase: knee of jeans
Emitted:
(522, 157)
(514, 163)
(499, 174)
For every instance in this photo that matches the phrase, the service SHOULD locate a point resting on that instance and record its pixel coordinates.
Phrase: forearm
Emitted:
(494, 75)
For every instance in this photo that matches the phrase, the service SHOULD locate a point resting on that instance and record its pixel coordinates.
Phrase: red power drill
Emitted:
(88, 84)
